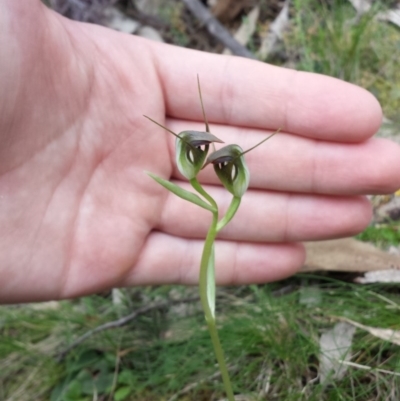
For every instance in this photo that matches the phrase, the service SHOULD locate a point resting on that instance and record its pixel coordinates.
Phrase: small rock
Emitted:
(150, 33)
(119, 21)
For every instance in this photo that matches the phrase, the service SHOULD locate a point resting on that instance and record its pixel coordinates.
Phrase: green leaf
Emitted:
(58, 391)
(103, 382)
(122, 393)
(211, 287)
(74, 390)
(182, 193)
(126, 377)
(85, 359)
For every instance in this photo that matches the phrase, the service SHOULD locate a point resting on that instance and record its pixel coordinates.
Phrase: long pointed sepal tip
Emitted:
(162, 126)
(202, 105)
(260, 143)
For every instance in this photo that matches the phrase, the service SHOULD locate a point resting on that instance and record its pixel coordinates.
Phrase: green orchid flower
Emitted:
(231, 169)
(191, 149)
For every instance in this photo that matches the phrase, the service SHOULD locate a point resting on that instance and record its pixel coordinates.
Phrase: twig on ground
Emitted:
(364, 367)
(264, 380)
(82, 10)
(281, 22)
(216, 29)
(146, 19)
(246, 28)
(392, 16)
(187, 389)
(361, 6)
(122, 321)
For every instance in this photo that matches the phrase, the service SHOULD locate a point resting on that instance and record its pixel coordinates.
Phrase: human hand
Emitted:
(77, 213)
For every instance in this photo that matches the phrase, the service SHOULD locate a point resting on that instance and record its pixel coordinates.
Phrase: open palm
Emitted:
(79, 215)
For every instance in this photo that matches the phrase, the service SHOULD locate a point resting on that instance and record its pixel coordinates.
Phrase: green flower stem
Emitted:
(232, 209)
(203, 284)
(219, 353)
(209, 315)
(197, 186)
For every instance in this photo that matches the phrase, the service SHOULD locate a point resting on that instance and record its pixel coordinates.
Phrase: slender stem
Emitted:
(203, 284)
(232, 209)
(219, 353)
(197, 186)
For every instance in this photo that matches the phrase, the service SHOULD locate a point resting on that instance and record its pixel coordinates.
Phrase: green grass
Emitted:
(328, 37)
(265, 336)
(382, 235)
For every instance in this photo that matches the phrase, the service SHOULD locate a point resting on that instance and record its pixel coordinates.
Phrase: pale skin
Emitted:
(77, 213)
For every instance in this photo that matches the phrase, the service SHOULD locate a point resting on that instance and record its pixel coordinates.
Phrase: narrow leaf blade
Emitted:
(211, 287)
(182, 193)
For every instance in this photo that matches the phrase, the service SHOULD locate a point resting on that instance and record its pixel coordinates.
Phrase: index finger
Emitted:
(250, 93)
